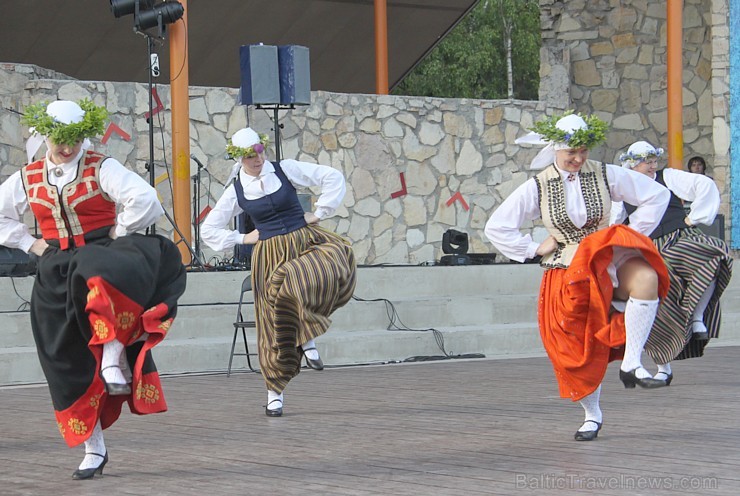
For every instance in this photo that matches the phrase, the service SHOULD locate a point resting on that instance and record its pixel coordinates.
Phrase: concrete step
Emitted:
(484, 309)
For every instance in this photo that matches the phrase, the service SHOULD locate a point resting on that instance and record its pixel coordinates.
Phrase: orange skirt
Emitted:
(579, 331)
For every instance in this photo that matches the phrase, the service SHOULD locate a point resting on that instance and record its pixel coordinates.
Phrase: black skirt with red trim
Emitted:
(125, 289)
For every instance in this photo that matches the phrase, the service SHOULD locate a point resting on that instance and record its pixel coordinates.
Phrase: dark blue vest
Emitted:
(674, 217)
(275, 214)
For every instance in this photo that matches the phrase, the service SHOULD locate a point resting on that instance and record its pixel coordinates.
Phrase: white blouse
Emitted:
(502, 229)
(301, 174)
(695, 188)
(137, 201)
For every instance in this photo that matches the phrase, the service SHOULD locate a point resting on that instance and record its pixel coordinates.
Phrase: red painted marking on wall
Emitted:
(113, 128)
(203, 214)
(458, 197)
(159, 106)
(402, 191)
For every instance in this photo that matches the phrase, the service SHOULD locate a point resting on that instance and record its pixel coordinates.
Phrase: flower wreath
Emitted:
(636, 158)
(250, 151)
(589, 137)
(92, 124)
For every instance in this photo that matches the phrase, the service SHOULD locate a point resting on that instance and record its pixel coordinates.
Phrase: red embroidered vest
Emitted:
(80, 207)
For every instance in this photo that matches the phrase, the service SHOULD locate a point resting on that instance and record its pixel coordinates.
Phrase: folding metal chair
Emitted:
(243, 325)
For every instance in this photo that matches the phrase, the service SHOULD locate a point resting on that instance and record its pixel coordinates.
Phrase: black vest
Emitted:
(274, 214)
(674, 217)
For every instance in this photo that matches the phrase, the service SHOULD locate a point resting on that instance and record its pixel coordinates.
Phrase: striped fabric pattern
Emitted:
(299, 280)
(694, 260)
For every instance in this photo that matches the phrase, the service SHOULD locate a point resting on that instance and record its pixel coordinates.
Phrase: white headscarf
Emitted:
(63, 111)
(638, 152)
(243, 138)
(568, 123)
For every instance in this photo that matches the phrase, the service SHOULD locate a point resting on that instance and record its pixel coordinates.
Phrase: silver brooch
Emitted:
(58, 171)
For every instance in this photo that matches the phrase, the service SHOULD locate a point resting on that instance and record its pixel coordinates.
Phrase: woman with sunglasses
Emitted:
(301, 273)
(699, 266)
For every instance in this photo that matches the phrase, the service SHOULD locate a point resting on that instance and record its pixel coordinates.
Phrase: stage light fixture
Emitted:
(147, 14)
(122, 8)
(455, 244)
(160, 15)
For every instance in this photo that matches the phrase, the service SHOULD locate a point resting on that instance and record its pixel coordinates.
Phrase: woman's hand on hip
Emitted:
(39, 247)
(311, 218)
(548, 246)
(251, 237)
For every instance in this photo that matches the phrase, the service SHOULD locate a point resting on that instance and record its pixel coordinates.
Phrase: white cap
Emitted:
(65, 112)
(62, 111)
(569, 123)
(244, 138)
(638, 152)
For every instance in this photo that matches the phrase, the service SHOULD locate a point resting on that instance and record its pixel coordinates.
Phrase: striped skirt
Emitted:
(299, 280)
(694, 260)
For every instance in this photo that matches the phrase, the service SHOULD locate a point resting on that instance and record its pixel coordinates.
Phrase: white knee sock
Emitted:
(697, 319)
(125, 369)
(663, 369)
(591, 406)
(638, 320)
(271, 396)
(311, 354)
(110, 364)
(94, 444)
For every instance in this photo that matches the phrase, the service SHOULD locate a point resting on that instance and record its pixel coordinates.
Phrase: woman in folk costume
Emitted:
(699, 266)
(103, 296)
(588, 266)
(301, 273)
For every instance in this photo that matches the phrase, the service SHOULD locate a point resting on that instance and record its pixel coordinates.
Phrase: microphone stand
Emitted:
(196, 202)
(151, 230)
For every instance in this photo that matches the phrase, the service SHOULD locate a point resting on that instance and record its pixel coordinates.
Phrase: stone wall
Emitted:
(617, 61)
(441, 146)
(608, 59)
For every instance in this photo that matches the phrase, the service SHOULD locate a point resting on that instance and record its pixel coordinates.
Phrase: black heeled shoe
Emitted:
(275, 412)
(89, 473)
(667, 380)
(630, 380)
(114, 389)
(314, 364)
(588, 435)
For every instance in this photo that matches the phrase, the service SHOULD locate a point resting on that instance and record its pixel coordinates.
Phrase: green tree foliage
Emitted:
(471, 61)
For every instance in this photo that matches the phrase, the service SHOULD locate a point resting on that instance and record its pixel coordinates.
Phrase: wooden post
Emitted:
(674, 47)
(179, 83)
(381, 47)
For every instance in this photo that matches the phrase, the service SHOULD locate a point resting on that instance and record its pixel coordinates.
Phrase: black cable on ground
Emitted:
(396, 324)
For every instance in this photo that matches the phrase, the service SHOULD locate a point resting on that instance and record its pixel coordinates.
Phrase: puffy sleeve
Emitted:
(699, 190)
(650, 198)
(502, 229)
(13, 204)
(330, 180)
(214, 231)
(139, 205)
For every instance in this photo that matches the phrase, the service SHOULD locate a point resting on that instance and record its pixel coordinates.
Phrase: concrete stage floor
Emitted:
(438, 428)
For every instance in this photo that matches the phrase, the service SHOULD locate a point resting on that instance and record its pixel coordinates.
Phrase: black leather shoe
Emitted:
(667, 380)
(115, 389)
(630, 380)
(588, 435)
(700, 336)
(89, 473)
(275, 412)
(314, 364)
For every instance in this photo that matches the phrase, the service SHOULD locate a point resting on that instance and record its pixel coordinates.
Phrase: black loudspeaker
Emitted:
(295, 75)
(717, 229)
(15, 263)
(260, 84)
(243, 253)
